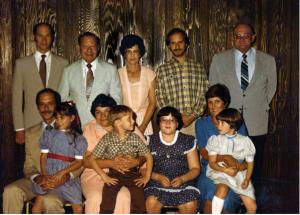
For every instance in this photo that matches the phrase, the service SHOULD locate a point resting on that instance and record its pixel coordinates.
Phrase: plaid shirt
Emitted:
(111, 145)
(182, 86)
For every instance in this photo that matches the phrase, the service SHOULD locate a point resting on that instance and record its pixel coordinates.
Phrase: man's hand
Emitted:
(20, 137)
(187, 119)
(48, 182)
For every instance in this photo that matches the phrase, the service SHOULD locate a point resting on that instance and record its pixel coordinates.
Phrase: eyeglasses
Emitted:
(173, 120)
(242, 37)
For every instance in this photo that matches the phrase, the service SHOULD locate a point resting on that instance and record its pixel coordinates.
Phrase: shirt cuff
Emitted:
(20, 129)
(33, 177)
(45, 151)
(78, 157)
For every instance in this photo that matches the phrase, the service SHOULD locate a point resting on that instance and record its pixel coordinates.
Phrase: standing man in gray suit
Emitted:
(251, 78)
(33, 73)
(83, 80)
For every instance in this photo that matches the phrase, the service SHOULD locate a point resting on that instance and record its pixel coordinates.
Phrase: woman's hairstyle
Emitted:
(218, 90)
(176, 31)
(117, 112)
(131, 40)
(69, 109)
(232, 116)
(166, 111)
(102, 101)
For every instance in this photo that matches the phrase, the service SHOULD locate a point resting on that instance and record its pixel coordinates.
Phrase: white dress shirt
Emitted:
(251, 54)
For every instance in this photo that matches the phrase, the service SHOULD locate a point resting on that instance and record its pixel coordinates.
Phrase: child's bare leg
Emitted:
(37, 206)
(250, 204)
(77, 208)
(218, 199)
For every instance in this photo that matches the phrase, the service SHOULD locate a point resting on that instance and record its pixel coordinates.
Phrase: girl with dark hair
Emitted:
(137, 82)
(176, 165)
(217, 99)
(62, 152)
(229, 142)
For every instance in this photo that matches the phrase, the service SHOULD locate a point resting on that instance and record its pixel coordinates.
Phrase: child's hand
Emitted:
(245, 183)
(142, 181)
(177, 182)
(108, 180)
(231, 171)
(163, 180)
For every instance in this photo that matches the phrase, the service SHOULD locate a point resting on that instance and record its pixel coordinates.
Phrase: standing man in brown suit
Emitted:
(16, 193)
(33, 73)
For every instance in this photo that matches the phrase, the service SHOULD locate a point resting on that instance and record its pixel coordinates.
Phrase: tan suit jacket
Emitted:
(27, 81)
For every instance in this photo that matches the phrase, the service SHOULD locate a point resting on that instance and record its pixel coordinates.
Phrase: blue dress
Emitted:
(62, 143)
(204, 130)
(171, 160)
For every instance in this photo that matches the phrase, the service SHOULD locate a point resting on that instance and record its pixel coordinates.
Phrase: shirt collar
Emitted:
(44, 124)
(94, 64)
(38, 54)
(231, 136)
(239, 54)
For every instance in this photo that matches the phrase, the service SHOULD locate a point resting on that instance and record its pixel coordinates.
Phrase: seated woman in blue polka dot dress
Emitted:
(176, 165)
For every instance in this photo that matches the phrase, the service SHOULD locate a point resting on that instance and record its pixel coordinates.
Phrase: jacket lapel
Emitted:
(53, 68)
(34, 72)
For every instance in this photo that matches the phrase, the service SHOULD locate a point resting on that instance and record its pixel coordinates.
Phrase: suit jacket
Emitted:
(32, 150)
(106, 81)
(27, 80)
(256, 99)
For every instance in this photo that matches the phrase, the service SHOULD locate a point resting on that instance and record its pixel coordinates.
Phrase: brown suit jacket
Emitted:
(27, 83)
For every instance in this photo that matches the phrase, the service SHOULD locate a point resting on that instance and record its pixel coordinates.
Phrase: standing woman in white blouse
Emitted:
(137, 82)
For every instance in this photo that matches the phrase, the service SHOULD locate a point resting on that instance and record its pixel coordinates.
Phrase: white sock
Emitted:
(217, 205)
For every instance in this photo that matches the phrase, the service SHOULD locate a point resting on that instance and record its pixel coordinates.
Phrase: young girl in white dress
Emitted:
(229, 142)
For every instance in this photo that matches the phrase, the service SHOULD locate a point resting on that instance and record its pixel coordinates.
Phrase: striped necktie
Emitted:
(244, 73)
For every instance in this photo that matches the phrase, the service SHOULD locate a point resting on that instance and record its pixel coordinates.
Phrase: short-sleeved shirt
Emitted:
(111, 145)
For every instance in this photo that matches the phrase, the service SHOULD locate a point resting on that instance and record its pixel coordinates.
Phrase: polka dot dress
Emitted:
(170, 159)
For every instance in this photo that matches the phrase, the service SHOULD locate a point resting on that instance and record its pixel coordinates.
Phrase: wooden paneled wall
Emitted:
(209, 24)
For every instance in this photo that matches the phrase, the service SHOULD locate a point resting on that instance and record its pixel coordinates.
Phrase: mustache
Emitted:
(47, 112)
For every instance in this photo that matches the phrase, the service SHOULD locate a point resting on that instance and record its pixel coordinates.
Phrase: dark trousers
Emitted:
(259, 143)
(109, 193)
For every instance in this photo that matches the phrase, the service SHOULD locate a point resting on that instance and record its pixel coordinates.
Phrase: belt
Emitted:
(60, 157)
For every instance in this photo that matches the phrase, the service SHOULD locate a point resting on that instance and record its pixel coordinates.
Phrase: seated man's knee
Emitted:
(52, 204)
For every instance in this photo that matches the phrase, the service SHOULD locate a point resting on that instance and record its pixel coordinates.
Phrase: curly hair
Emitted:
(131, 40)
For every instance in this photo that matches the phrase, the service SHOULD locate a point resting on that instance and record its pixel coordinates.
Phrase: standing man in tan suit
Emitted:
(33, 73)
(16, 193)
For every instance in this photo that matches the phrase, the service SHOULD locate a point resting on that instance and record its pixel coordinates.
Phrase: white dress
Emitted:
(241, 148)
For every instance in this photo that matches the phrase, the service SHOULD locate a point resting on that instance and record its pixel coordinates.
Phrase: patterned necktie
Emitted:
(89, 81)
(43, 71)
(244, 73)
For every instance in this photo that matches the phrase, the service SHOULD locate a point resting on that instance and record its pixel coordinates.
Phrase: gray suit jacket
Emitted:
(106, 81)
(259, 93)
(27, 80)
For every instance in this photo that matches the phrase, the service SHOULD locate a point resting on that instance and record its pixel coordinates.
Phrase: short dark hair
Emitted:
(131, 40)
(36, 26)
(165, 111)
(218, 90)
(232, 116)
(176, 31)
(48, 90)
(117, 112)
(89, 34)
(102, 100)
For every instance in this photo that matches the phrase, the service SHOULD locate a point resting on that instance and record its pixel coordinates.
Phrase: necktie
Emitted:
(49, 127)
(244, 73)
(89, 81)
(43, 72)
